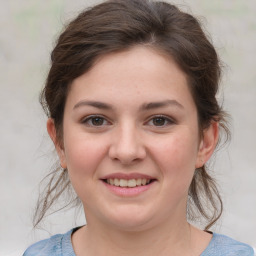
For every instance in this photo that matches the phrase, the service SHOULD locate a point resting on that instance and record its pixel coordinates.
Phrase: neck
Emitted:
(170, 238)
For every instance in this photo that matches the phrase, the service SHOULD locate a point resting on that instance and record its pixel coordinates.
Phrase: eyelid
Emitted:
(169, 119)
(90, 117)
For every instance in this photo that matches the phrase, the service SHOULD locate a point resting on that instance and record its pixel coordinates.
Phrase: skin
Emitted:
(133, 135)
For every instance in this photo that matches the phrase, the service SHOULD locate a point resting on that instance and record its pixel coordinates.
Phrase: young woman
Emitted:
(131, 100)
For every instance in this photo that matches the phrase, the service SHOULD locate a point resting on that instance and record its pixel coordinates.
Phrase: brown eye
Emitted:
(159, 121)
(95, 121)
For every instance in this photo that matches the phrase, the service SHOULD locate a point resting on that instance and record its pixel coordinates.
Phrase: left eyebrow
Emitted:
(160, 104)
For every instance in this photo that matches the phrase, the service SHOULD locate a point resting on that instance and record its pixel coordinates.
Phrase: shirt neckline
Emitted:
(68, 250)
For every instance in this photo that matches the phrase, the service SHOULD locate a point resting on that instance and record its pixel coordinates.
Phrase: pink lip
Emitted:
(128, 192)
(127, 176)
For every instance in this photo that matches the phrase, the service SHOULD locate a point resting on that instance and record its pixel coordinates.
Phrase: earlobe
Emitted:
(207, 144)
(52, 133)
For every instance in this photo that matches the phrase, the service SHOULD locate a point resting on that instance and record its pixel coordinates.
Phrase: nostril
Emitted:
(127, 149)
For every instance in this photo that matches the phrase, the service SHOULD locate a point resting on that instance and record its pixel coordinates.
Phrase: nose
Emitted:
(127, 146)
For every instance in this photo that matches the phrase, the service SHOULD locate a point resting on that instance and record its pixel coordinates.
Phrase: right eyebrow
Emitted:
(96, 104)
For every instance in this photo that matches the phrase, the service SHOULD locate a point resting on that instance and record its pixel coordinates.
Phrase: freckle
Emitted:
(138, 91)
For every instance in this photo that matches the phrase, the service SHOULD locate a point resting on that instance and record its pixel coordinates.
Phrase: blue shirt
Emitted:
(60, 245)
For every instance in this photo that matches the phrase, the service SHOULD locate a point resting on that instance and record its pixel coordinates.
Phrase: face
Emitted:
(131, 140)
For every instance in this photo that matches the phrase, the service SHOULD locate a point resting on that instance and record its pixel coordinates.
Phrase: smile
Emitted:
(130, 183)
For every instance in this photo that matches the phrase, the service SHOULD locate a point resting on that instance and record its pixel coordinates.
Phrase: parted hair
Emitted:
(118, 25)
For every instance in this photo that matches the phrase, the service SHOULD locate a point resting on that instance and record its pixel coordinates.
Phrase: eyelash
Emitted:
(89, 121)
(168, 121)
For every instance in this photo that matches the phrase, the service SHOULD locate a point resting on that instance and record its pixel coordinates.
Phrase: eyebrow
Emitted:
(96, 104)
(145, 106)
(160, 104)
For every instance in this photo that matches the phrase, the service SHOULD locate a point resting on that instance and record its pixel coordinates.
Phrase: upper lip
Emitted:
(127, 176)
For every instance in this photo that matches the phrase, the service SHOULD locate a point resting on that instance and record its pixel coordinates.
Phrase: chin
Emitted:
(130, 219)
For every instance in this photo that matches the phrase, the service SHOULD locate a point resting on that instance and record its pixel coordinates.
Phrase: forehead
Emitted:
(138, 74)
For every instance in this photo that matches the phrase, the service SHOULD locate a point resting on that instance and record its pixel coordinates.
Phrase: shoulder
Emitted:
(52, 246)
(224, 245)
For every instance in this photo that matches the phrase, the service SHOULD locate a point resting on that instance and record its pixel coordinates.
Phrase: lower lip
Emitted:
(128, 192)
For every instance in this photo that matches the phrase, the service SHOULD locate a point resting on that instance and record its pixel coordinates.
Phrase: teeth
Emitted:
(131, 183)
(123, 183)
(128, 183)
(116, 182)
(138, 182)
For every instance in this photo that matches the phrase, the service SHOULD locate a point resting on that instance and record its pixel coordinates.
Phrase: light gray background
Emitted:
(28, 29)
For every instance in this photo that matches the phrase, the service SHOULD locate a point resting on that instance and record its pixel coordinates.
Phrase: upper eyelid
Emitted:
(161, 116)
(168, 118)
(94, 115)
(86, 118)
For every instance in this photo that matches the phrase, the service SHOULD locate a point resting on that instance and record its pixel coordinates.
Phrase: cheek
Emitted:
(176, 158)
(177, 152)
(83, 155)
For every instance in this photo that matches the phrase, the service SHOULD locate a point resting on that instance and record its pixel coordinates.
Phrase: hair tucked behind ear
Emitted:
(118, 25)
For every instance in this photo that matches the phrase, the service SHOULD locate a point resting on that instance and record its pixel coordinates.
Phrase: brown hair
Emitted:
(118, 25)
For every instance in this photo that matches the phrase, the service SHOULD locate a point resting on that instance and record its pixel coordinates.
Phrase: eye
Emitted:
(160, 121)
(95, 121)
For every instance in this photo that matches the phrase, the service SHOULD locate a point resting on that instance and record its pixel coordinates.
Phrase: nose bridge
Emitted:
(127, 145)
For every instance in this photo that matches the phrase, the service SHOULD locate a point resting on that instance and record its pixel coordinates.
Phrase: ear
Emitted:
(207, 144)
(60, 150)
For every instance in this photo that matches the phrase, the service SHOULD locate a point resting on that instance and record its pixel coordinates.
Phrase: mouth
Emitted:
(128, 183)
